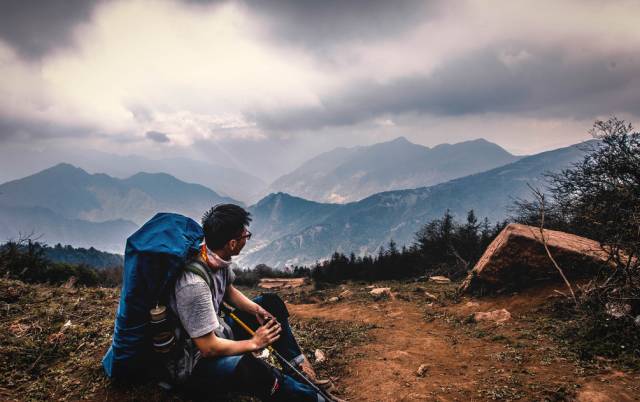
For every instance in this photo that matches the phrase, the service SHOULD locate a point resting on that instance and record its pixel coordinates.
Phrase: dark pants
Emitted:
(287, 345)
(244, 373)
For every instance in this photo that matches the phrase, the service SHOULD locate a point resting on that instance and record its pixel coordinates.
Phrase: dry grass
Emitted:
(52, 341)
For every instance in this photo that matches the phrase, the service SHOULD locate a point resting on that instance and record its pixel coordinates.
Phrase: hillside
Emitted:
(351, 174)
(46, 226)
(364, 226)
(53, 339)
(65, 204)
(280, 214)
(76, 194)
(85, 256)
(219, 174)
(224, 180)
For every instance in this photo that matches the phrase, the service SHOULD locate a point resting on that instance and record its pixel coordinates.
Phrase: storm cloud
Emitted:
(35, 28)
(195, 77)
(157, 136)
(322, 26)
(534, 82)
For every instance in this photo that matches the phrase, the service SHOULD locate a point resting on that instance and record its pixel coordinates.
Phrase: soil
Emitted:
(462, 360)
(419, 344)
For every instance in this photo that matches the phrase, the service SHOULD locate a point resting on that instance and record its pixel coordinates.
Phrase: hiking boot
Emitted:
(307, 369)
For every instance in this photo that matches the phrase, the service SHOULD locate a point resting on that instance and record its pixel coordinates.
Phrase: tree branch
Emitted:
(540, 196)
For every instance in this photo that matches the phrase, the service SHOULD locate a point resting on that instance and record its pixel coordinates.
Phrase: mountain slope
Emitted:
(280, 214)
(47, 227)
(226, 181)
(75, 194)
(218, 173)
(67, 205)
(364, 226)
(351, 174)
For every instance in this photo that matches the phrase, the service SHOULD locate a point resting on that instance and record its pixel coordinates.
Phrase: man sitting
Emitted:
(217, 358)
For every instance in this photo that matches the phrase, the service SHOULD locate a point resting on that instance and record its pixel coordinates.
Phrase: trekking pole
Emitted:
(230, 311)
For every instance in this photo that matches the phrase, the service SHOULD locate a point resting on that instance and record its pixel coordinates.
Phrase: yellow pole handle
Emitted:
(246, 327)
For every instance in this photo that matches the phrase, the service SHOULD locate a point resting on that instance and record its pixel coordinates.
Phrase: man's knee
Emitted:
(273, 304)
(255, 376)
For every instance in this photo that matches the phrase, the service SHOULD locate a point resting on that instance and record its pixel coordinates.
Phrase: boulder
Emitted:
(70, 283)
(439, 279)
(517, 259)
(379, 293)
(422, 370)
(430, 295)
(497, 316)
(320, 356)
(346, 294)
(618, 309)
(282, 283)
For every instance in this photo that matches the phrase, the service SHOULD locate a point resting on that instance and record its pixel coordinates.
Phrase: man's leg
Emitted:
(287, 345)
(212, 377)
(247, 375)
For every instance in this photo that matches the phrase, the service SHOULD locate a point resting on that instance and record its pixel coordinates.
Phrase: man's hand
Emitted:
(242, 302)
(267, 334)
(263, 315)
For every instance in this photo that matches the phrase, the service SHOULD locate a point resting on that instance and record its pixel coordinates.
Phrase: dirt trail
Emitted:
(488, 362)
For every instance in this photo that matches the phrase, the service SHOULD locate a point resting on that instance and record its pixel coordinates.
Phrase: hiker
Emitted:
(218, 358)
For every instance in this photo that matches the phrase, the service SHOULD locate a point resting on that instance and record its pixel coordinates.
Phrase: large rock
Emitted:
(517, 259)
(439, 279)
(282, 283)
(497, 316)
(379, 293)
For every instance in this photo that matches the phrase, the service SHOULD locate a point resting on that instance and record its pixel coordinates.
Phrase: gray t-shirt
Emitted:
(198, 307)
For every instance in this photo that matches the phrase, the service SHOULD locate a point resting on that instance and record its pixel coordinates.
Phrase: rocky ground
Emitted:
(417, 341)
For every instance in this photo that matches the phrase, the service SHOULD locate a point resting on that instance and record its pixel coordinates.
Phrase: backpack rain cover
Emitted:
(154, 256)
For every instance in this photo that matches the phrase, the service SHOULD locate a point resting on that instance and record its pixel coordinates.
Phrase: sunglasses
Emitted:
(245, 236)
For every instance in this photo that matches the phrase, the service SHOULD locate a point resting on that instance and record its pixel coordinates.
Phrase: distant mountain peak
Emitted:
(479, 144)
(400, 140)
(59, 172)
(481, 140)
(149, 176)
(302, 233)
(356, 173)
(281, 197)
(65, 167)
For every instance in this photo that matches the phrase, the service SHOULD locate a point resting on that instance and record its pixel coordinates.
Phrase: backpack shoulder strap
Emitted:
(197, 268)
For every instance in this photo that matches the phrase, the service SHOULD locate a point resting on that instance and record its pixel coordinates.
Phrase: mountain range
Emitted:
(351, 174)
(46, 226)
(364, 226)
(218, 174)
(65, 204)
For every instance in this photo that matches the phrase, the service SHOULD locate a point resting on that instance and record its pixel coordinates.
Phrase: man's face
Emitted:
(236, 245)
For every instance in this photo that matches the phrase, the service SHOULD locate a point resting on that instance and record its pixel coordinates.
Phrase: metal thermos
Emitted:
(163, 337)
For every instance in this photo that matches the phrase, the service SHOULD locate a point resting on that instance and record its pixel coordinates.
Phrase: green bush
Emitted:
(25, 260)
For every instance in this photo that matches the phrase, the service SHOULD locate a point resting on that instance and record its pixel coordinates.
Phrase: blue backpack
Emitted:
(154, 257)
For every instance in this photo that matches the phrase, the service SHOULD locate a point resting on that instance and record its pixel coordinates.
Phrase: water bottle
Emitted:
(163, 337)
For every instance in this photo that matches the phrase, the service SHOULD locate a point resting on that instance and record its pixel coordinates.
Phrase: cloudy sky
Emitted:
(265, 84)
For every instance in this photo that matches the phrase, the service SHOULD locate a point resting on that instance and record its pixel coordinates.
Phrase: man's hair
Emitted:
(222, 223)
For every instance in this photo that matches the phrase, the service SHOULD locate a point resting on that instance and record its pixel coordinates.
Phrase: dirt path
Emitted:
(464, 362)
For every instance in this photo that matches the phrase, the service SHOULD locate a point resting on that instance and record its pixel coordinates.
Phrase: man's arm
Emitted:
(210, 345)
(239, 300)
(198, 317)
